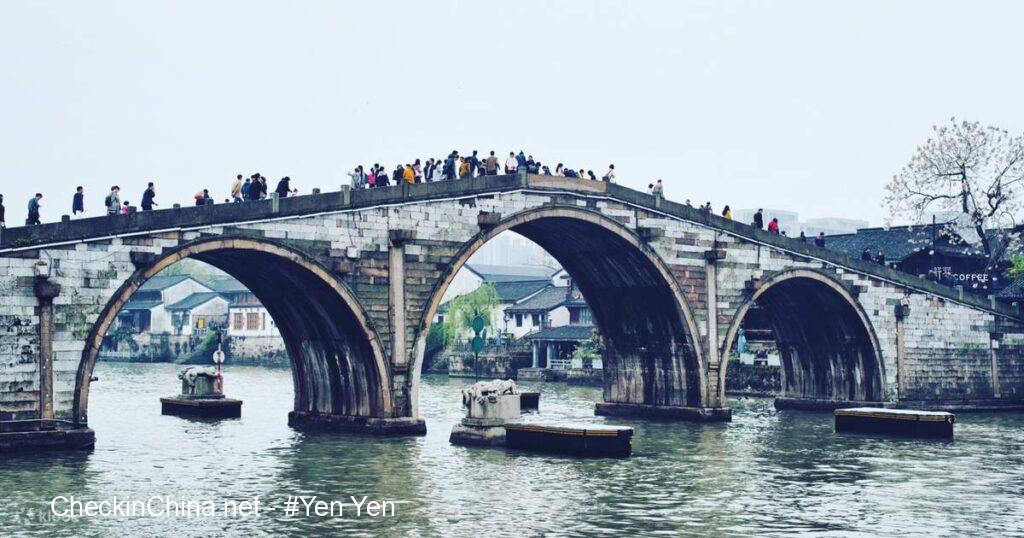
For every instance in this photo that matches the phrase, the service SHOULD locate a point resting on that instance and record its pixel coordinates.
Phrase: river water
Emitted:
(766, 473)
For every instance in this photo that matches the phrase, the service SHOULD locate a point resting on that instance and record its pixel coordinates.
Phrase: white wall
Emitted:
(267, 326)
(218, 306)
(160, 320)
(181, 290)
(559, 316)
(465, 281)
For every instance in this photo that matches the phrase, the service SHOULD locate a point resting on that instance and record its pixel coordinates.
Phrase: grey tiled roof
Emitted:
(517, 291)
(548, 298)
(141, 305)
(1013, 291)
(227, 284)
(565, 332)
(194, 300)
(160, 283)
(900, 242)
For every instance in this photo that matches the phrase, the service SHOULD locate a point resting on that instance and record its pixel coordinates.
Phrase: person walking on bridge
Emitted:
(609, 176)
(236, 189)
(820, 240)
(78, 201)
(491, 164)
(3, 223)
(283, 187)
(428, 170)
(245, 190)
(113, 201)
(759, 219)
(33, 210)
(149, 194)
(511, 163)
(256, 188)
(726, 212)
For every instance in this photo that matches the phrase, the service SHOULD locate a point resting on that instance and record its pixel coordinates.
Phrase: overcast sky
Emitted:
(808, 106)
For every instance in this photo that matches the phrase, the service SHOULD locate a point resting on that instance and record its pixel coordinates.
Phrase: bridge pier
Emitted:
(308, 421)
(665, 412)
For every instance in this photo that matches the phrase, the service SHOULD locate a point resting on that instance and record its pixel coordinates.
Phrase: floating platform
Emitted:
(592, 440)
(529, 400)
(901, 422)
(201, 407)
(35, 435)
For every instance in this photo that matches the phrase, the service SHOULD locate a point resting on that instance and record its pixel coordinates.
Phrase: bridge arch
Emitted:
(338, 362)
(653, 354)
(827, 345)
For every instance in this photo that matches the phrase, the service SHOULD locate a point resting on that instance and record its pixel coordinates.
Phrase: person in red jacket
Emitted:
(773, 226)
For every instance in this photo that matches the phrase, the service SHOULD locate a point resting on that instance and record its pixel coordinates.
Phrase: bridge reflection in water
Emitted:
(768, 471)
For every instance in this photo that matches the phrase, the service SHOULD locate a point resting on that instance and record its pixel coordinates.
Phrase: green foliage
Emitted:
(122, 335)
(462, 310)
(208, 345)
(589, 350)
(434, 346)
(1017, 269)
(435, 339)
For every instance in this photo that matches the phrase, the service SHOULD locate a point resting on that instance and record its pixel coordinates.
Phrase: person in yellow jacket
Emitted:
(464, 169)
(727, 213)
(408, 175)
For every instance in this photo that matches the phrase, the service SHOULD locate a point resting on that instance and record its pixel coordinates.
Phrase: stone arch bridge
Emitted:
(353, 280)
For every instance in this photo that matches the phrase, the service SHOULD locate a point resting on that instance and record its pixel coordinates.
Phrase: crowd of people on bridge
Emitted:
(456, 166)
(465, 166)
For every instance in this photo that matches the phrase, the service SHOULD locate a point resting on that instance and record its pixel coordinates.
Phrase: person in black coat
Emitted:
(78, 201)
(3, 223)
(283, 189)
(147, 197)
(759, 219)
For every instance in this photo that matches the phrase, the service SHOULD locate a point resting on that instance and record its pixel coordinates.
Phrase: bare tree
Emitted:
(965, 168)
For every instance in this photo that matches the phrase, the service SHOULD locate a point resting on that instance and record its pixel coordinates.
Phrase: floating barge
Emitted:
(529, 400)
(590, 440)
(901, 422)
(201, 407)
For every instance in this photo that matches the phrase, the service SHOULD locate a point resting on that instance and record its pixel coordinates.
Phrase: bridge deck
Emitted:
(27, 238)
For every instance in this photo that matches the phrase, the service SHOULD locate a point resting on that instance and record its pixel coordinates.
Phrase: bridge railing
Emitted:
(225, 213)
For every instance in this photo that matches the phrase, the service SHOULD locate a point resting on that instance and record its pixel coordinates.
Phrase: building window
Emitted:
(252, 321)
(519, 320)
(239, 323)
(585, 317)
(536, 320)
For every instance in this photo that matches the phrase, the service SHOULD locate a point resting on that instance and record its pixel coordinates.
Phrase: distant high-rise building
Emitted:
(833, 226)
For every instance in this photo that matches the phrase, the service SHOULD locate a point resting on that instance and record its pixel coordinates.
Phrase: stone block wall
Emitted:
(947, 349)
